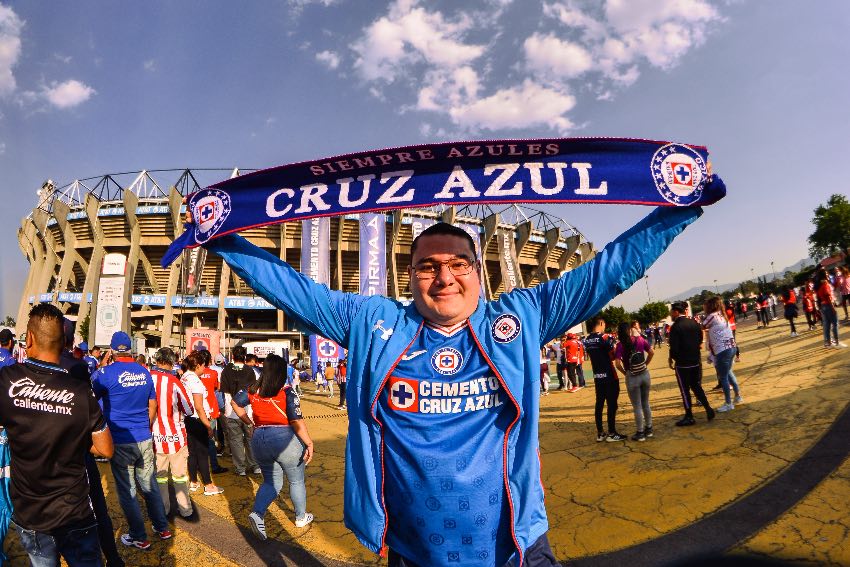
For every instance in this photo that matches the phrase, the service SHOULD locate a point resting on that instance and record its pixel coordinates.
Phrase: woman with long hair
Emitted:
(281, 443)
(721, 344)
(829, 316)
(789, 298)
(631, 357)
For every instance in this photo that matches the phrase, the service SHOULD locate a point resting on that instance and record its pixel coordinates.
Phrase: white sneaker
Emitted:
(840, 345)
(739, 400)
(258, 526)
(308, 517)
(794, 334)
(725, 408)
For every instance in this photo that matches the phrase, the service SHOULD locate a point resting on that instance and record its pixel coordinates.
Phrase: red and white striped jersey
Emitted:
(173, 403)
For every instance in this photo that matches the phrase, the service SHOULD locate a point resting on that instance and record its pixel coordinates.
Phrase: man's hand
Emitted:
(308, 453)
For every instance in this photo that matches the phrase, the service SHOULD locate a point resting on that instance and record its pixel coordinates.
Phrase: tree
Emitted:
(613, 316)
(83, 328)
(652, 313)
(832, 228)
(9, 321)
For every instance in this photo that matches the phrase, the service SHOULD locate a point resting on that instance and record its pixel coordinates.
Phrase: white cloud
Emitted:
(10, 48)
(149, 65)
(529, 105)
(329, 58)
(410, 34)
(455, 63)
(2, 148)
(68, 94)
(62, 58)
(549, 55)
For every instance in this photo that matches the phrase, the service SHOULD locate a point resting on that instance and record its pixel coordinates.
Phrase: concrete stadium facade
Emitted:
(138, 214)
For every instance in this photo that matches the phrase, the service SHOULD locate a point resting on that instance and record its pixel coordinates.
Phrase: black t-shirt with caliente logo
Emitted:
(49, 417)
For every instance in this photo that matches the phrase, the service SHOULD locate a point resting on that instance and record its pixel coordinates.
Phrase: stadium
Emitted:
(107, 234)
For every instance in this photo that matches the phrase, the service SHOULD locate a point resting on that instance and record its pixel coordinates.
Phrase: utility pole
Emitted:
(646, 281)
(773, 270)
(715, 288)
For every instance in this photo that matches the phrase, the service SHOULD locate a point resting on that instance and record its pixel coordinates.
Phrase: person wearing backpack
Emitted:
(631, 357)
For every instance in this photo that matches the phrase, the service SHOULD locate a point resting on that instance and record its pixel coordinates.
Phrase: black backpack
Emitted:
(637, 362)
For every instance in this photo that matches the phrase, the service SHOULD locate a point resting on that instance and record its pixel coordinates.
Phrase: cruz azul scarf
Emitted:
(557, 170)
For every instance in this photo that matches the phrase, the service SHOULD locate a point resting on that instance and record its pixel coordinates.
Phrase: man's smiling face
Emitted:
(445, 298)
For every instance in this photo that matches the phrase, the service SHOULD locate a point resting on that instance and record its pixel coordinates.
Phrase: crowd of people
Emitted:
(442, 438)
(156, 423)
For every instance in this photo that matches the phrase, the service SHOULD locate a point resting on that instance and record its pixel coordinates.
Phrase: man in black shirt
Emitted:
(52, 422)
(235, 377)
(685, 343)
(600, 349)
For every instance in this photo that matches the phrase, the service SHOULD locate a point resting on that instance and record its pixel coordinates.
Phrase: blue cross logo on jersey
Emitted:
(404, 394)
(327, 349)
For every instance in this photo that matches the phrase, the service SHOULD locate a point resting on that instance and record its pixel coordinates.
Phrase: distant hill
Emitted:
(727, 286)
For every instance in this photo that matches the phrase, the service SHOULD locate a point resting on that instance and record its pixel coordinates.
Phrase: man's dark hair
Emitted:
(238, 353)
(251, 358)
(46, 323)
(94, 349)
(207, 357)
(164, 358)
(444, 228)
(595, 321)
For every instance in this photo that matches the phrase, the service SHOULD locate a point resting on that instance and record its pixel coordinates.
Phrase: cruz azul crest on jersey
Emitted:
(506, 328)
(447, 361)
(210, 208)
(679, 173)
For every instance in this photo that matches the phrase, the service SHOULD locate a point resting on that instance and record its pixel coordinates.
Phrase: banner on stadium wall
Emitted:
(316, 249)
(373, 254)
(110, 309)
(508, 260)
(322, 351)
(315, 263)
(554, 170)
(417, 225)
(204, 339)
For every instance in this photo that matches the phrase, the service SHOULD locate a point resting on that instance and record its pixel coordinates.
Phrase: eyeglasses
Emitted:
(429, 270)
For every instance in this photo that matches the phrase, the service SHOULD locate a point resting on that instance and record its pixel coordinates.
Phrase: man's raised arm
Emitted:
(316, 307)
(583, 292)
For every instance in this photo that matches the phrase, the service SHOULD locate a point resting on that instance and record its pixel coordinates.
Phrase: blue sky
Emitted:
(89, 88)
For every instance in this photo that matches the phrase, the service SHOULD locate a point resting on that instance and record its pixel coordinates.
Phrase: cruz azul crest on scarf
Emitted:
(555, 170)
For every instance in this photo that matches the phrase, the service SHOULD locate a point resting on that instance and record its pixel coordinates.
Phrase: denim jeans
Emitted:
(723, 366)
(278, 450)
(830, 321)
(79, 547)
(638, 388)
(132, 464)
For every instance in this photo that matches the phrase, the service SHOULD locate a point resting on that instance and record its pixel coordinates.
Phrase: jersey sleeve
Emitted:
(293, 406)
(318, 309)
(581, 293)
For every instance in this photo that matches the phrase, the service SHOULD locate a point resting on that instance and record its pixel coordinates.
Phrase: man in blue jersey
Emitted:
(127, 392)
(7, 346)
(442, 459)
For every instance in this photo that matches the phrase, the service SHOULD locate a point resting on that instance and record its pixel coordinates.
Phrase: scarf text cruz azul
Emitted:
(559, 170)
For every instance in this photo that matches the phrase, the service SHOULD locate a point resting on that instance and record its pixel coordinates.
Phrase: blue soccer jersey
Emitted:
(444, 416)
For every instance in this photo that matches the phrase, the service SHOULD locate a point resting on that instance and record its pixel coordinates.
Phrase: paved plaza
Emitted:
(770, 478)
